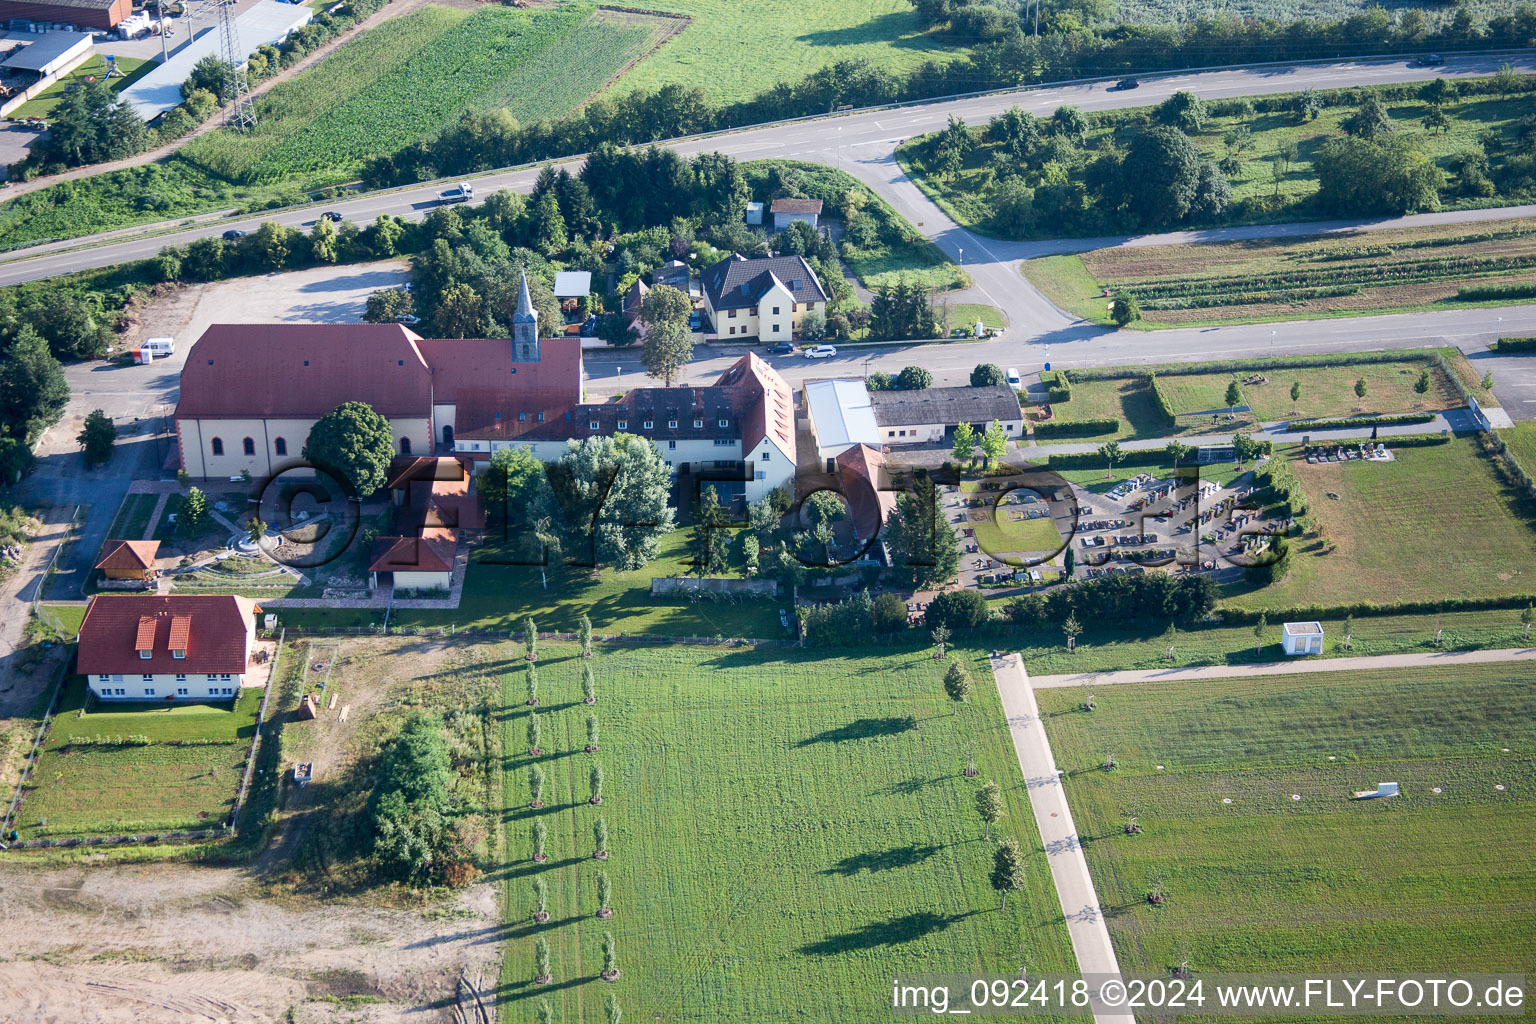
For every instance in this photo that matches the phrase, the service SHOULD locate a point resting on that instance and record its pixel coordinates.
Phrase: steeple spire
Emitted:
(525, 325)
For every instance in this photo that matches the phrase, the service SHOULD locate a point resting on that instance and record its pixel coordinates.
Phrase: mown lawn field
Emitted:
(1293, 874)
(1521, 440)
(412, 75)
(1327, 392)
(506, 583)
(1290, 278)
(133, 69)
(786, 829)
(736, 50)
(84, 788)
(1435, 522)
(1110, 646)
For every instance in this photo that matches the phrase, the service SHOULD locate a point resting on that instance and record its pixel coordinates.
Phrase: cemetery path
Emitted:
(1063, 846)
(1281, 668)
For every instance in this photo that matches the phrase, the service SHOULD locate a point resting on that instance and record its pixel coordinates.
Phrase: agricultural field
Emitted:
(1164, 12)
(1251, 281)
(1436, 522)
(133, 69)
(734, 50)
(1243, 792)
(1327, 392)
(786, 830)
(1257, 196)
(84, 785)
(412, 75)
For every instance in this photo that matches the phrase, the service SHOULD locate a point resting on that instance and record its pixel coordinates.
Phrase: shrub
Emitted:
(890, 614)
(1076, 428)
(1164, 407)
(957, 609)
(1515, 345)
(1400, 419)
(1484, 292)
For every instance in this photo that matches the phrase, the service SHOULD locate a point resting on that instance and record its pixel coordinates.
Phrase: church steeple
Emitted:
(525, 325)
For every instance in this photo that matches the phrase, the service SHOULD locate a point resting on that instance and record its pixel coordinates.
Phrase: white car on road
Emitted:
(1013, 378)
(820, 352)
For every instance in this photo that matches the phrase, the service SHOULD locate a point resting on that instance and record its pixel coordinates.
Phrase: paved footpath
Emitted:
(1281, 668)
(1063, 848)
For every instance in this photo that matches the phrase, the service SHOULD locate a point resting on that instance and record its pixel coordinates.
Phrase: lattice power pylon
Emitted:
(241, 112)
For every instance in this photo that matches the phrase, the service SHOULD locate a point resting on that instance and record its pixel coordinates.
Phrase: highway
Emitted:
(864, 143)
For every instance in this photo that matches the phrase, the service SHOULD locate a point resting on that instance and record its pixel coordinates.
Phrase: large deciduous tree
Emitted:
(353, 442)
(607, 501)
(668, 343)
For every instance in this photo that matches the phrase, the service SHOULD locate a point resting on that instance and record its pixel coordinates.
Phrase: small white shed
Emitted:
(755, 214)
(1302, 638)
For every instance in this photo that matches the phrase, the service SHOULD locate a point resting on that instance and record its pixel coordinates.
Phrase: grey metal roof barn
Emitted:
(944, 405)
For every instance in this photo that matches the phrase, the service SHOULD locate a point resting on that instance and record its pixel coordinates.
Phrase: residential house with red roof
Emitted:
(192, 647)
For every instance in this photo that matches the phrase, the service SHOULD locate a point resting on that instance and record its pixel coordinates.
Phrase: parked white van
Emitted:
(161, 347)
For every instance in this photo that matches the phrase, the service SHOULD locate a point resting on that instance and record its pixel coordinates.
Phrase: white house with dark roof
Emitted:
(786, 211)
(932, 414)
(765, 298)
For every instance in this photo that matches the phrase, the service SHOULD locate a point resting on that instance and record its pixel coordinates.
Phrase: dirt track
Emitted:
(176, 943)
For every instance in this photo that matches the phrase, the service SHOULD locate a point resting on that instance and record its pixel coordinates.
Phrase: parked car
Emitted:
(589, 327)
(820, 352)
(332, 216)
(694, 320)
(460, 193)
(232, 234)
(1013, 378)
(781, 348)
(408, 319)
(1125, 85)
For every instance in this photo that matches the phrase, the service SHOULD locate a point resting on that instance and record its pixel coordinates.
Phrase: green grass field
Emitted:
(1107, 647)
(734, 50)
(65, 618)
(413, 75)
(132, 517)
(787, 829)
(1435, 522)
(41, 105)
(1521, 440)
(500, 596)
(91, 789)
(1258, 280)
(1424, 881)
(965, 195)
(1326, 392)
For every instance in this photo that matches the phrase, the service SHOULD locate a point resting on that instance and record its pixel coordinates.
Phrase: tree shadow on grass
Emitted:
(863, 729)
(896, 931)
(883, 860)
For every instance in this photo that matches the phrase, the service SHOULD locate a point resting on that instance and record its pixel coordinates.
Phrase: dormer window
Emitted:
(672, 424)
(179, 655)
(622, 424)
(649, 424)
(725, 423)
(146, 655)
(592, 424)
(698, 424)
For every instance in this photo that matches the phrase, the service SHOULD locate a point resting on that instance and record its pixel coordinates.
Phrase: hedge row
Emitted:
(1397, 420)
(1077, 376)
(1509, 290)
(1244, 616)
(1093, 460)
(1164, 407)
(1515, 345)
(1077, 428)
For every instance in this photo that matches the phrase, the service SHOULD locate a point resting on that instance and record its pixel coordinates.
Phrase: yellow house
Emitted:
(765, 298)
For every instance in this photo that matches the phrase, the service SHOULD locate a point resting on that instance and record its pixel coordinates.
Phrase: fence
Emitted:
(451, 630)
(53, 561)
(32, 756)
(261, 718)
